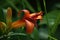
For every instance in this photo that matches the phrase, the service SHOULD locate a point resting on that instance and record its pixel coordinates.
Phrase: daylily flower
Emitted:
(29, 20)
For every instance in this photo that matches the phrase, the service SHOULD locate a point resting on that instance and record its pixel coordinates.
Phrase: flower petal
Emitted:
(27, 13)
(41, 12)
(39, 17)
(33, 14)
(36, 15)
(29, 26)
(18, 23)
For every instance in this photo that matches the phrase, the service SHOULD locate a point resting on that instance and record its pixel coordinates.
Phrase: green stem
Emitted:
(46, 12)
(46, 16)
(52, 38)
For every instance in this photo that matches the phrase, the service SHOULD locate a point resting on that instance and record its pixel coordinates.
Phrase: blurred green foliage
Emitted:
(48, 26)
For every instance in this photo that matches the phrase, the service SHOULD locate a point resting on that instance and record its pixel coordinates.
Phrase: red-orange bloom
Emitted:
(29, 20)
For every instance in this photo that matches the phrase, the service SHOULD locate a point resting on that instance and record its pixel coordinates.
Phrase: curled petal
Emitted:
(29, 26)
(33, 14)
(36, 14)
(39, 17)
(27, 13)
(18, 23)
(40, 13)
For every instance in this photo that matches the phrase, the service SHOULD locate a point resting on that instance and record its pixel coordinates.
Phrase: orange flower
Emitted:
(29, 20)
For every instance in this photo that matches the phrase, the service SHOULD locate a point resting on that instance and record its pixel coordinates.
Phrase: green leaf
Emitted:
(12, 34)
(35, 34)
(56, 22)
(53, 19)
(52, 38)
(3, 27)
(2, 15)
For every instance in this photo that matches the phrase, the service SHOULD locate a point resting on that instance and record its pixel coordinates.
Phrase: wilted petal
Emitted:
(29, 26)
(18, 23)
